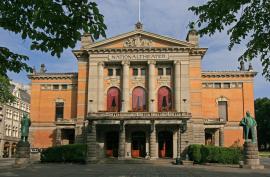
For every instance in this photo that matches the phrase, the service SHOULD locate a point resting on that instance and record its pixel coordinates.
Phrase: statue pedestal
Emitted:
(251, 156)
(22, 157)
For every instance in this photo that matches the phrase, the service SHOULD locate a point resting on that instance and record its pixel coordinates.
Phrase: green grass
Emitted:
(264, 153)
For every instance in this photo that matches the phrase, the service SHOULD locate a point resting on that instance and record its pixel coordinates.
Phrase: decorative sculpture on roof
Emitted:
(249, 126)
(137, 41)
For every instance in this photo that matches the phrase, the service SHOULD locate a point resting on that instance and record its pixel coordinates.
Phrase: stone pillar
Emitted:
(177, 75)
(91, 142)
(221, 137)
(179, 149)
(151, 86)
(153, 145)
(125, 87)
(251, 156)
(22, 156)
(100, 86)
(122, 142)
(58, 137)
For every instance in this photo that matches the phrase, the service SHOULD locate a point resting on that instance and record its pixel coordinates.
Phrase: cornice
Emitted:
(226, 74)
(41, 76)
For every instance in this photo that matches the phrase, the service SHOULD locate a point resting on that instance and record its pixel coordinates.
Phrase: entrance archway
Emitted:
(112, 141)
(165, 144)
(6, 150)
(138, 148)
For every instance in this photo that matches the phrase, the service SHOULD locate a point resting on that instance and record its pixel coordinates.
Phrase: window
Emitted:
(135, 72)
(217, 85)
(113, 100)
(64, 87)
(56, 87)
(59, 110)
(110, 72)
(118, 72)
(143, 71)
(223, 110)
(164, 99)
(160, 71)
(138, 99)
(168, 71)
(226, 85)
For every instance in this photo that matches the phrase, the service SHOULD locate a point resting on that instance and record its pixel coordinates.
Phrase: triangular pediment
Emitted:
(140, 39)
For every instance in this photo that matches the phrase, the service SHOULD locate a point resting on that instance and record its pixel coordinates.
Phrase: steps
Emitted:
(135, 161)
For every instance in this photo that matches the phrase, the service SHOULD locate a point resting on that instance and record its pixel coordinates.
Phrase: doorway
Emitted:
(112, 143)
(165, 144)
(138, 148)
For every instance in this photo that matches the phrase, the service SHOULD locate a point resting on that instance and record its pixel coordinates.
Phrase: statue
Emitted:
(25, 124)
(249, 124)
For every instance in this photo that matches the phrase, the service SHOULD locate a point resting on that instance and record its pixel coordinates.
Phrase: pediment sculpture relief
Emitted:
(137, 41)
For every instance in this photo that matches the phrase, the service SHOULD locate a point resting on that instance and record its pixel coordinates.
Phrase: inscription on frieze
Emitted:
(121, 57)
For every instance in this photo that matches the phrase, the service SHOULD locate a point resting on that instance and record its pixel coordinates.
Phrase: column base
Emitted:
(153, 158)
(121, 158)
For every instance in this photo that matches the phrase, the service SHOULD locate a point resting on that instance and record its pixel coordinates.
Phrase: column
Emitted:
(221, 137)
(177, 88)
(153, 145)
(100, 86)
(184, 89)
(122, 142)
(179, 149)
(125, 87)
(151, 86)
(91, 142)
(58, 137)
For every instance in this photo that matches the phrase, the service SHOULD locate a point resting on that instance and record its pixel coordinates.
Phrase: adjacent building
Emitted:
(140, 94)
(10, 119)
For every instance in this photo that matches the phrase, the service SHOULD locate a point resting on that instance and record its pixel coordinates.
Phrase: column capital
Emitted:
(176, 62)
(125, 62)
(100, 63)
(151, 62)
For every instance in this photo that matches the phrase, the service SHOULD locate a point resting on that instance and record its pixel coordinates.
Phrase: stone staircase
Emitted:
(135, 161)
(6, 163)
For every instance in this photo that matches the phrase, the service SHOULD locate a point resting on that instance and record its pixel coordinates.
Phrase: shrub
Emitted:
(214, 154)
(194, 152)
(67, 153)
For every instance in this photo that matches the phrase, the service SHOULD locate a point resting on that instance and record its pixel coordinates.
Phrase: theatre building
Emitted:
(140, 94)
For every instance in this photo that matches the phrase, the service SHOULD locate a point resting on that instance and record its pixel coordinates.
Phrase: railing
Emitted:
(140, 114)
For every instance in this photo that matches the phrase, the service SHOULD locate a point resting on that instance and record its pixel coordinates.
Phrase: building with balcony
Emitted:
(139, 95)
(10, 119)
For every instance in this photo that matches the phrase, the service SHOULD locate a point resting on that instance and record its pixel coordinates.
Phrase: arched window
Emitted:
(138, 99)
(113, 100)
(164, 99)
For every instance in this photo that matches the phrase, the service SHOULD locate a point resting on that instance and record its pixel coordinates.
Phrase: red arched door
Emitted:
(138, 99)
(164, 99)
(113, 100)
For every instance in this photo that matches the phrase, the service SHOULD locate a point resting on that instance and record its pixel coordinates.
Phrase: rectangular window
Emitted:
(64, 87)
(59, 110)
(56, 87)
(217, 85)
(168, 71)
(223, 110)
(110, 72)
(226, 85)
(143, 71)
(135, 72)
(118, 72)
(160, 71)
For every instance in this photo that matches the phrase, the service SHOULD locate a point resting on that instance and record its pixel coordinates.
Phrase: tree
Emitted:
(51, 25)
(247, 20)
(262, 114)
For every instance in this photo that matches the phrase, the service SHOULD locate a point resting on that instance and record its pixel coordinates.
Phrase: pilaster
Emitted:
(100, 86)
(125, 86)
(151, 86)
(177, 86)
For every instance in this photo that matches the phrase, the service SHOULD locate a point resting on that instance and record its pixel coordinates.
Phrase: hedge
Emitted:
(214, 154)
(76, 153)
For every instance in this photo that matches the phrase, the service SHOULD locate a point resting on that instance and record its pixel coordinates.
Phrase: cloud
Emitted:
(169, 18)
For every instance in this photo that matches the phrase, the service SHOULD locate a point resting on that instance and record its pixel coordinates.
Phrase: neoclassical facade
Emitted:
(140, 95)
(10, 119)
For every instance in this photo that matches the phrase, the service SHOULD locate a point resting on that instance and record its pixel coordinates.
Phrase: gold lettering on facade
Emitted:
(122, 57)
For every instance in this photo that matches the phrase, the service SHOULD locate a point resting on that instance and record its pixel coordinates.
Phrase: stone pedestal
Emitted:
(251, 156)
(22, 154)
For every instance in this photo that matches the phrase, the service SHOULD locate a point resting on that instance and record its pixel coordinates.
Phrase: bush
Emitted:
(214, 154)
(67, 153)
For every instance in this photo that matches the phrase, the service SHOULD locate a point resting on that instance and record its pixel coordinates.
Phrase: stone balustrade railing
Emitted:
(139, 115)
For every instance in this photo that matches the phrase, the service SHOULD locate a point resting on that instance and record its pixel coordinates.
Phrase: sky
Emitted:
(164, 17)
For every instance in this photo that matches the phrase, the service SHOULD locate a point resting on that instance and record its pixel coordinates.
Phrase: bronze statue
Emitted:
(249, 124)
(25, 124)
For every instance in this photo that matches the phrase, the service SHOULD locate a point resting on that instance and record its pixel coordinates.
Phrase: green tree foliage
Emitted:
(262, 115)
(246, 19)
(50, 25)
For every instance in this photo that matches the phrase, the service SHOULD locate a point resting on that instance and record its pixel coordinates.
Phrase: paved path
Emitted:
(129, 170)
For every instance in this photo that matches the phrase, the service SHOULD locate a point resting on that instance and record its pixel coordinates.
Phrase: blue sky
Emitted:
(169, 18)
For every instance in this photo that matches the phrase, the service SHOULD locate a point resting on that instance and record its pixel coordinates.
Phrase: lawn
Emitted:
(264, 153)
